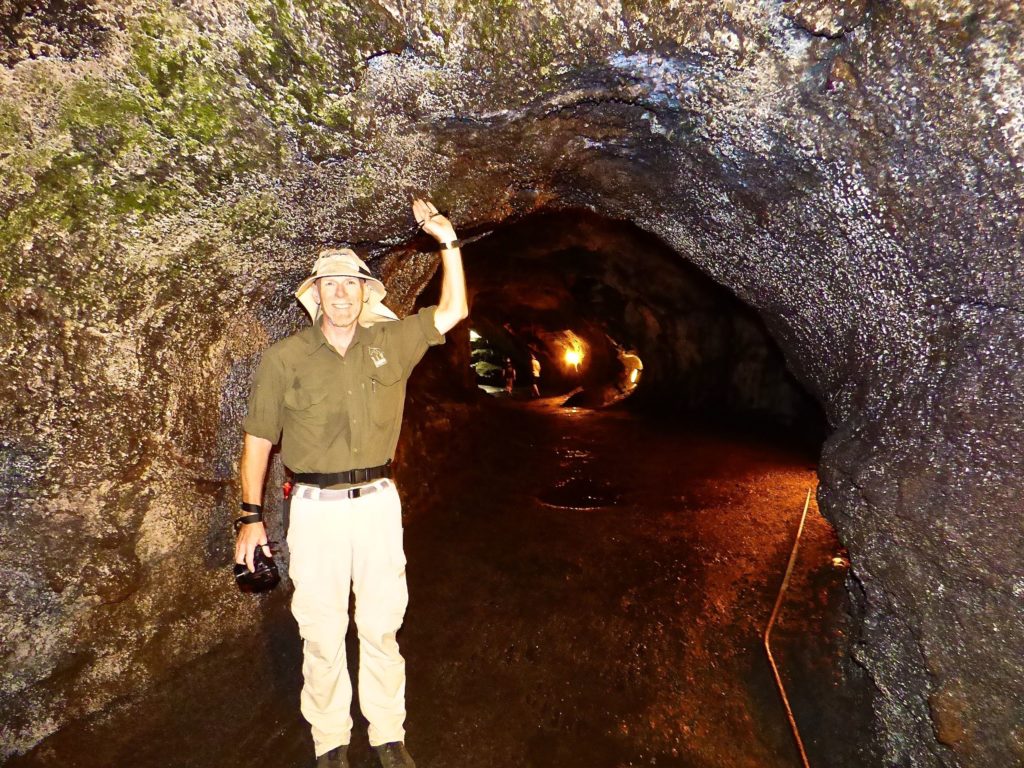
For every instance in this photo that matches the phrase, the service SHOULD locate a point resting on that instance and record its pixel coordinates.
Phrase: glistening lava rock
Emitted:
(169, 172)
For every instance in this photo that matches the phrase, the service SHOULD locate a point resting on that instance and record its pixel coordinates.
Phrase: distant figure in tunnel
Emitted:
(509, 372)
(534, 375)
(333, 394)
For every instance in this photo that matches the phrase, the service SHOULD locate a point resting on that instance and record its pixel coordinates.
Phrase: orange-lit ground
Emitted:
(629, 634)
(547, 632)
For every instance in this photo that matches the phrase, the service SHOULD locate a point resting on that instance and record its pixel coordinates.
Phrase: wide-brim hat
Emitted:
(343, 262)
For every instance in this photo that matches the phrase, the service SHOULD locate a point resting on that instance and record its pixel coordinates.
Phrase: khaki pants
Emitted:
(335, 542)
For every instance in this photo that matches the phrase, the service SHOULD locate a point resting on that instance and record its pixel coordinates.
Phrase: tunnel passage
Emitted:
(719, 524)
(561, 280)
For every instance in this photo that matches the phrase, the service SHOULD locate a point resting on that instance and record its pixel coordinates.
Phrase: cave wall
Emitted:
(851, 169)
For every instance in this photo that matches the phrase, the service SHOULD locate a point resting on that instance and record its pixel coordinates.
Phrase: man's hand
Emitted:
(452, 306)
(250, 536)
(432, 222)
(253, 468)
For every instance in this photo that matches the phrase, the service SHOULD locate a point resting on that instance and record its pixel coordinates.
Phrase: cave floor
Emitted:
(588, 590)
(598, 597)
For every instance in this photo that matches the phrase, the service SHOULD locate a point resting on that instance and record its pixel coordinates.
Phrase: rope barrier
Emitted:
(768, 632)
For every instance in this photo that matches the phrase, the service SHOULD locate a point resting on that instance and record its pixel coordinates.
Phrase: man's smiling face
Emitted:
(340, 299)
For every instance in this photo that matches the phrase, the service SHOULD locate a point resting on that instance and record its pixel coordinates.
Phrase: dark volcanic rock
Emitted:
(166, 175)
(826, 18)
(32, 29)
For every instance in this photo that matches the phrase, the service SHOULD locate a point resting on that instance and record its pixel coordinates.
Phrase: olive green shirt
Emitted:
(335, 412)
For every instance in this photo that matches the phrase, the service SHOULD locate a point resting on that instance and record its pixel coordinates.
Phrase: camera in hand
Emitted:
(263, 578)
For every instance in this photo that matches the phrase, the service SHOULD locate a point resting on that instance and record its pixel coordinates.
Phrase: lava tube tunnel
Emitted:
(716, 256)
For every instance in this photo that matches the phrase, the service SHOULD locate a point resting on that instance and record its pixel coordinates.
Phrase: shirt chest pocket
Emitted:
(307, 404)
(385, 389)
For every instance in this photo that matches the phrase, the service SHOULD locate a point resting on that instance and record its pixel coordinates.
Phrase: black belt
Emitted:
(349, 477)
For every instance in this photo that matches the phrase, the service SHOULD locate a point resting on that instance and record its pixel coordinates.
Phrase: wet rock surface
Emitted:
(167, 171)
(576, 636)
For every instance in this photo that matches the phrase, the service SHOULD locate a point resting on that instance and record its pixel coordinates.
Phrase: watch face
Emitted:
(263, 579)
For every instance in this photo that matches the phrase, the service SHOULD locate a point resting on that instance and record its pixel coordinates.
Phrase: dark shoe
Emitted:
(336, 758)
(394, 755)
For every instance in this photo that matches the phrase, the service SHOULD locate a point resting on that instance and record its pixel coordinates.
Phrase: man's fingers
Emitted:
(430, 220)
(423, 208)
(250, 554)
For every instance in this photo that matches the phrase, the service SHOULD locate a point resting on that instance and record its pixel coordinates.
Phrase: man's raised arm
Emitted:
(452, 306)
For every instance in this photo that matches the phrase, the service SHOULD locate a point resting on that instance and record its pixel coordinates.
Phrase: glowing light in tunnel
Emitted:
(570, 350)
(633, 376)
(473, 335)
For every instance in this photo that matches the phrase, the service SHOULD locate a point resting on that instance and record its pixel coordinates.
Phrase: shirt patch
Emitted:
(377, 355)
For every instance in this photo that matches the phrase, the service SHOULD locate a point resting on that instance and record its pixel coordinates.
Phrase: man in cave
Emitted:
(509, 372)
(333, 394)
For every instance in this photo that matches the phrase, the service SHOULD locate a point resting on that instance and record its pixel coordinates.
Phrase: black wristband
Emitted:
(450, 245)
(245, 520)
(256, 509)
